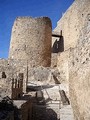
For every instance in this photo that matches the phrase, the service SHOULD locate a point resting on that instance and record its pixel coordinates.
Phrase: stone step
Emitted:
(66, 113)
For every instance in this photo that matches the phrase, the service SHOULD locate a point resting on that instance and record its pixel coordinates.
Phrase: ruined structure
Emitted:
(79, 65)
(73, 62)
(31, 41)
(63, 69)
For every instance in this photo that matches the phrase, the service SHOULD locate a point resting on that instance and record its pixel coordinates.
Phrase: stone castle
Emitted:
(41, 58)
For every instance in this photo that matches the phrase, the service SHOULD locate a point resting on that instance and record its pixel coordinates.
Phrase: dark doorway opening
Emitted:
(3, 75)
(58, 45)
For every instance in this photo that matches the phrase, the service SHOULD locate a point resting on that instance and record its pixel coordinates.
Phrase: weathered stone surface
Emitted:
(69, 26)
(62, 65)
(75, 26)
(44, 76)
(31, 40)
(12, 69)
(31, 47)
(79, 71)
(5, 87)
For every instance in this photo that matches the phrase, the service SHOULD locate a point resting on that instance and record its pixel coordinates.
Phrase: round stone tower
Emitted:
(31, 40)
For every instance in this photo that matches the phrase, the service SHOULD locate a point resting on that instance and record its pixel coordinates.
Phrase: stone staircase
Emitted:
(55, 107)
(64, 112)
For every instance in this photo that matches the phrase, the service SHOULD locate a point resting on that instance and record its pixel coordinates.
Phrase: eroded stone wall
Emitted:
(31, 41)
(62, 65)
(11, 68)
(69, 26)
(74, 65)
(79, 71)
(5, 87)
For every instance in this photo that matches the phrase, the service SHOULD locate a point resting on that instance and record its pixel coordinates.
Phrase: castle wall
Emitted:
(5, 87)
(62, 65)
(73, 62)
(31, 41)
(79, 71)
(11, 68)
(69, 26)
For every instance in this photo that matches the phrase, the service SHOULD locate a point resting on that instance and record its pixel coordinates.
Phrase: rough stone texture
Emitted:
(62, 65)
(12, 69)
(5, 87)
(79, 65)
(31, 41)
(44, 76)
(71, 62)
(75, 26)
(54, 60)
(69, 26)
(39, 74)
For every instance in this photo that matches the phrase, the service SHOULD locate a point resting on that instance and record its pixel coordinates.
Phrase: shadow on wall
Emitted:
(43, 113)
(58, 45)
(37, 88)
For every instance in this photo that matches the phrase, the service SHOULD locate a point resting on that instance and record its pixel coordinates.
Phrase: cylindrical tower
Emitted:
(31, 40)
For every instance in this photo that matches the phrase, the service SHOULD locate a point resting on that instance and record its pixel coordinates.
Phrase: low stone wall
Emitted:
(12, 68)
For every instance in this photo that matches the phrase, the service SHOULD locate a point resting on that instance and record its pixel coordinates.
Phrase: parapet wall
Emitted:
(31, 40)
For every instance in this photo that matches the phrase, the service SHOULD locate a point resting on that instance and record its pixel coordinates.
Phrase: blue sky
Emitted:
(10, 9)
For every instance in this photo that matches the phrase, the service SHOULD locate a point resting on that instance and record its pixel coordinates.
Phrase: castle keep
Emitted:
(54, 63)
(31, 41)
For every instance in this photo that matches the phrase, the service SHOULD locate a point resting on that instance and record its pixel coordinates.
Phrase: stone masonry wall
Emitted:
(5, 87)
(70, 28)
(12, 68)
(71, 25)
(31, 41)
(79, 71)
(62, 65)
(75, 26)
